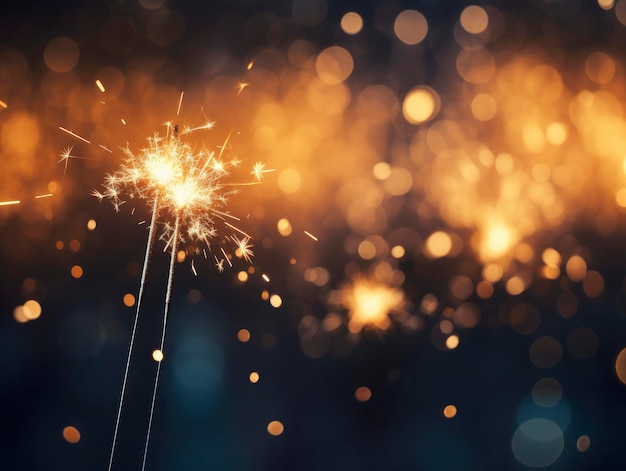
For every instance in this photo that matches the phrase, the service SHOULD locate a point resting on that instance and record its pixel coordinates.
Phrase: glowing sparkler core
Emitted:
(185, 183)
(370, 304)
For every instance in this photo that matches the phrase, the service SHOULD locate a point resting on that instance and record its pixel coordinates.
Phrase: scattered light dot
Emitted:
(551, 257)
(242, 276)
(32, 309)
(129, 300)
(284, 227)
(474, 19)
(420, 105)
(410, 27)
(484, 107)
(59, 245)
(18, 315)
(515, 285)
(547, 392)
(593, 284)
(276, 301)
(556, 133)
(452, 342)
(438, 244)
(243, 335)
(351, 23)
(397, 251)
(91, 224)
(538, 443)
(254, 377)
(76, 271)
(74, 245)
(71, 434)
(289, 181)
(363, 394)
(449, 411)
(275, 428)
(367, 250)
(157, 355)
(382, 171)
(583, 443)
(576, 268)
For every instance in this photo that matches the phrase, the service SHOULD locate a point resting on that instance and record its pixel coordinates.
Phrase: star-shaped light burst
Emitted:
(188, 184)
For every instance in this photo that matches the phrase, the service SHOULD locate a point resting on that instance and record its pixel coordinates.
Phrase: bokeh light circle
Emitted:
(538, 443)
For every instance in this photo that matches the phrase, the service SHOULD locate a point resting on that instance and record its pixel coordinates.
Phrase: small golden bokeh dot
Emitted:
(31, 310)
(59, 245)
(71, 434)
(243, 335)
(363, 394)
(76, 271)
(157, 355)
(129, 300)
(254, 377)
(449, 411)
(275, 428)
(91, 224)
(74, 245)
(276, 301)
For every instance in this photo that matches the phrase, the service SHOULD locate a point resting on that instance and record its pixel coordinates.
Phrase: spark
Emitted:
(243, 247)
(241, 86)
(8, 203)
(266, 278)
(250, 64)
(219, 264)
(3, 104)
(180, 103)
(105, 148)
(100, 85)
(47, 195)
(187, 185)
(66, 155)
(71, 133)
(259, 170)
(311, 236)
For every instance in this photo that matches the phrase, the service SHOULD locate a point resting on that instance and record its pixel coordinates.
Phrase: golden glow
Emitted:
(576, 268)
(276, 301)
(449, 411)
(275, 428)
(71, 434)
(351, 23)
(31, 310)
(410, 27)
(76, 271)
(370, 304)
(157, 355)
(497, 241)
(420, 105)
(363, 394)
(129, 300)
(474, 19)
(284, 227)
(438, 244)
(91, 224)
(254, 377)
(243, 335)
(452, 342)
(583, 443)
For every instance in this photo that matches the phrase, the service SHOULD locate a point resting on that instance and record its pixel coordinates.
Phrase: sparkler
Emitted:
(188, 186)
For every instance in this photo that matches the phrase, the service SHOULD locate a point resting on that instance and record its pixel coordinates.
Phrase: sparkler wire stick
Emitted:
(146, 260)
(168, 299)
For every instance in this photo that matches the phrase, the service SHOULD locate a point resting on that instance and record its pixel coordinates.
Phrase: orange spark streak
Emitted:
(74, 134)
(311, 236)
